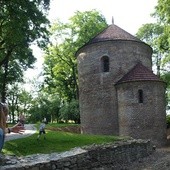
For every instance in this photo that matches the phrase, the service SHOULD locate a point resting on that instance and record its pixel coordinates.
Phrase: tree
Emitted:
(163, 16)
(70, 111)
(158, 36)
(21, 23)
(24, 101)
(19, 101)
(162, 12)
(150, 34)
(44, 106)
(13, 97)
(60, 66)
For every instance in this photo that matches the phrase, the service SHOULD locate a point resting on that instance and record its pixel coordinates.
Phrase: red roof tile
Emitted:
(139, 73)
(113, 32)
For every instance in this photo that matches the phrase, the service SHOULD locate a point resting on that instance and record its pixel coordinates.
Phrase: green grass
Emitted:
(55, 142)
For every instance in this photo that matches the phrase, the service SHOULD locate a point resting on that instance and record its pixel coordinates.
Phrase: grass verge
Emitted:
(55, 142)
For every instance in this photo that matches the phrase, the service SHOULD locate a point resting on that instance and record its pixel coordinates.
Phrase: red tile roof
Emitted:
(139, 73)
(113, 32)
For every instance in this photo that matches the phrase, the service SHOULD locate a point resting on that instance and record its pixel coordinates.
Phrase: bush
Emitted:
(70, 111)
(168, 121)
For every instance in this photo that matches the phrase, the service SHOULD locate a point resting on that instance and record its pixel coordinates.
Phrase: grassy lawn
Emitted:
(55, 142)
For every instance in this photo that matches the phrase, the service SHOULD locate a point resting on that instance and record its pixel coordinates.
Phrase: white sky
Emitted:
(130, 15)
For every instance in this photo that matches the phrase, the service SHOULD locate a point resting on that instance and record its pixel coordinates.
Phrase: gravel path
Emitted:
(159, 160)
(29, 130)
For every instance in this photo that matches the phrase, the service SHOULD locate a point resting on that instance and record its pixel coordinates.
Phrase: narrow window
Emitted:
(105, 64)
(140, 96)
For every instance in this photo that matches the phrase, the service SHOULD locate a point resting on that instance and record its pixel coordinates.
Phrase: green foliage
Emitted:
(168, 120)
(157, 35)
(60, 66)
(162, 11)
(70, 111)
(21, 23)
(44, 107)
(19, 101)
(163, 15)
(150, 33)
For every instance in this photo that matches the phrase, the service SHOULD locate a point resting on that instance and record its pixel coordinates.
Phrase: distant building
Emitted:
(119, 93)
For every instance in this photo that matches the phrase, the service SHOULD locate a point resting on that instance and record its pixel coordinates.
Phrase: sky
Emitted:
(130, 15)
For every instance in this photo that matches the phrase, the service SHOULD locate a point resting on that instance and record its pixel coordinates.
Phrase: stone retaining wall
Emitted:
(113, 155)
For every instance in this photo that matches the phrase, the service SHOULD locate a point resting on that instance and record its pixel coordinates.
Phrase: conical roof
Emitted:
(139, 73)
(113, 32)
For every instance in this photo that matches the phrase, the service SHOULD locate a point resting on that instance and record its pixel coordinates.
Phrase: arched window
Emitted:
(105, 64)
(140, 96)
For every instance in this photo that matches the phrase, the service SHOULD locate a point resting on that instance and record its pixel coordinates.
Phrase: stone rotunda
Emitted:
(118, 92)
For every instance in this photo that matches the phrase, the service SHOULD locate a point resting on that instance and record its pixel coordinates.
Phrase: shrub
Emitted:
(168, 121)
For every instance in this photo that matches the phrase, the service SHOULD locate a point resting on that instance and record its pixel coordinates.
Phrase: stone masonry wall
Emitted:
(114, 155)
(146, 120)
(97, 94)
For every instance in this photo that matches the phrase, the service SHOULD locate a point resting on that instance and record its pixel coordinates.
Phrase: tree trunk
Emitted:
(158, 62)
(4, 83)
